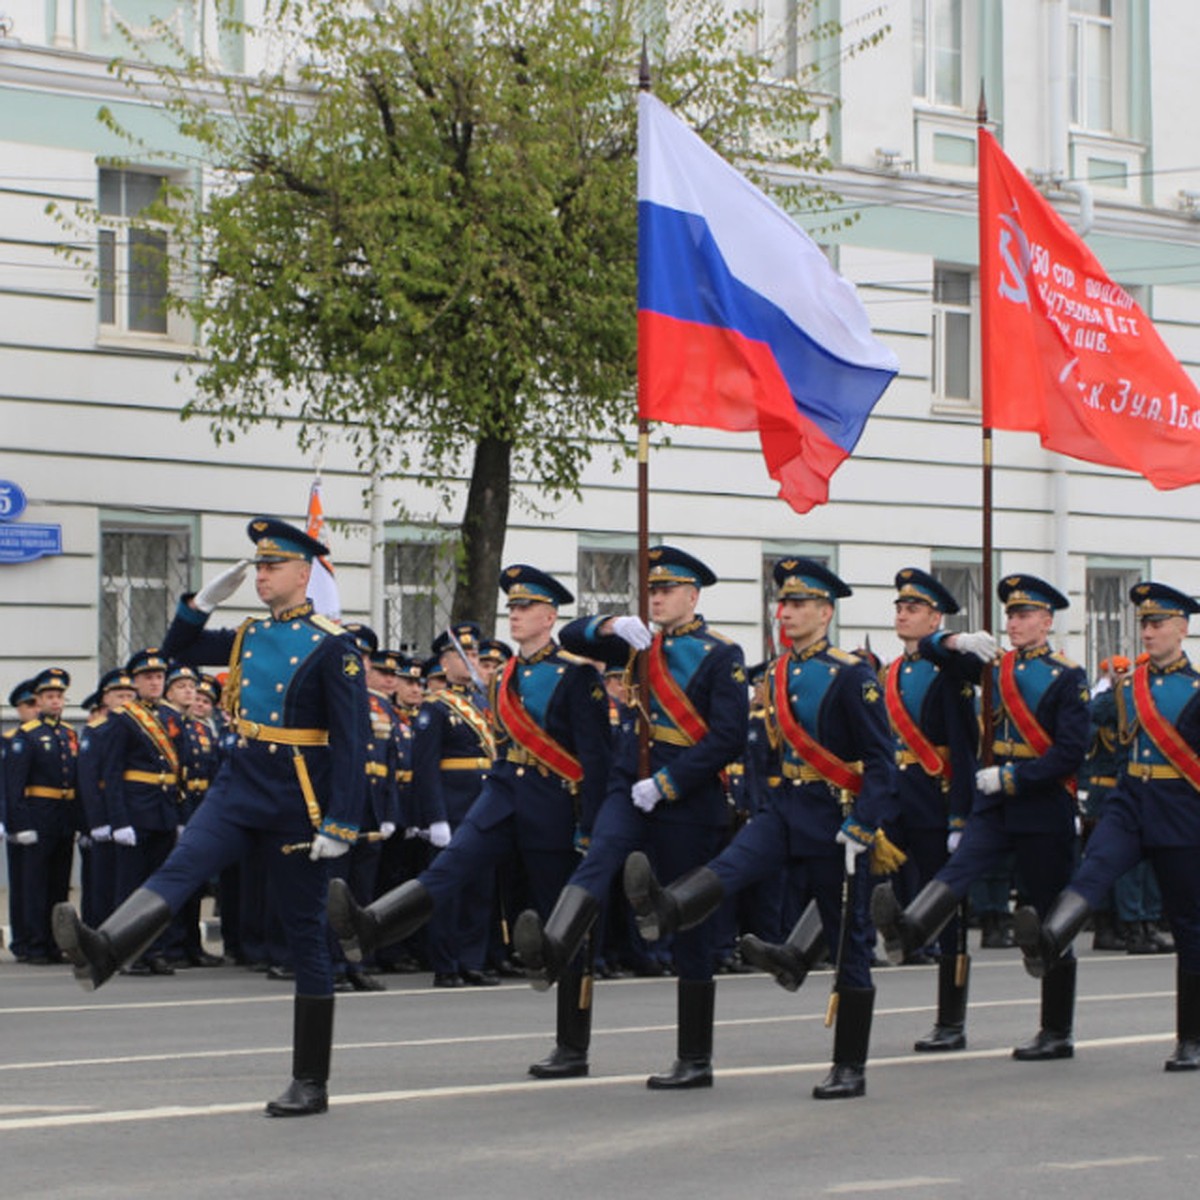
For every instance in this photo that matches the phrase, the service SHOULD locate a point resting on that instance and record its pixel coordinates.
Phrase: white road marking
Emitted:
(888, 1185)
(511, 1087)
(1101, 1164)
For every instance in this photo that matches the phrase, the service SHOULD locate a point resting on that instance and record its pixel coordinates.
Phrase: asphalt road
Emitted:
(154, 1087)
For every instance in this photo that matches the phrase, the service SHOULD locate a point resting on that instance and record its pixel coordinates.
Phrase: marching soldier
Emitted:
(1153, 813)
(1025, 802)
(298, 700)
(698, 714)
(453, 750)
(834, 787)
(41, 769)
(542, 793)
(24, 700)
(931, 706)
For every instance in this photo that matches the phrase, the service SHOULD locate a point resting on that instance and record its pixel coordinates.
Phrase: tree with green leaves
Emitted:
(422, 232)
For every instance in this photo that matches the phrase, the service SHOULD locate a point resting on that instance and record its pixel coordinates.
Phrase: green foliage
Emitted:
(425, 232)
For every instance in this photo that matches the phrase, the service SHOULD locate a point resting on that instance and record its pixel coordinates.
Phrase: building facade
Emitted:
(1092, 97)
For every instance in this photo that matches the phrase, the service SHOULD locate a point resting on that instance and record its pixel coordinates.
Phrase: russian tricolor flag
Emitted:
(742, 322)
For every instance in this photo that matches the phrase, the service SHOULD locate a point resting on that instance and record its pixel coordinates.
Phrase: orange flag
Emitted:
(1070, 356)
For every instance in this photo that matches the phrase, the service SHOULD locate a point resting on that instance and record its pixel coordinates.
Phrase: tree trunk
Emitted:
(485, 522)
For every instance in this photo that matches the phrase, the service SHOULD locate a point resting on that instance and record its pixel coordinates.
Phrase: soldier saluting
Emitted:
(298, 701)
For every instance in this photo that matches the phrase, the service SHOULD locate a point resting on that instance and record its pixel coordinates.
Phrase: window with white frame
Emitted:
(1112, 626)
(953, 325)
(1090, 48)
(937, 43)
(419, 579)
(963, 579)
(785, 32)
(607, 581)
(144, 569)
(132, 262)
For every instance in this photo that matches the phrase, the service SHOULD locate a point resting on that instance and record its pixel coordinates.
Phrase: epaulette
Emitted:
(844, 656)
(576, 659)
(31, 725)
(719, 637)
(1063, 661)
(323, 623)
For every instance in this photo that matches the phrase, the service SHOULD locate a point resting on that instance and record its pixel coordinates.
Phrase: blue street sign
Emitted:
(12, 501)
(24, 543)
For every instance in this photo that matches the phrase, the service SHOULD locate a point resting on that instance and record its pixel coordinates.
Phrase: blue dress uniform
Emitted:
(1154, 812)
(1031, 813)
(453, 750)
(21, 696)
(294, 778)
(936, 781)
(698, 720)
(540, 796)
(141, 792)
(833, 775)
(360, 868)
(41, 768)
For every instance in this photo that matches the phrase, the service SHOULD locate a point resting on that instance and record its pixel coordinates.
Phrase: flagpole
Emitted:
(643, 530)
(981, 117)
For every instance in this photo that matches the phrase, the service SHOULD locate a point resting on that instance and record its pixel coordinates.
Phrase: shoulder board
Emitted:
(577, 659)
(30, 726)
(843, 656)
(323, 623)
(1063, 661)
(719, 637)
(10, 733)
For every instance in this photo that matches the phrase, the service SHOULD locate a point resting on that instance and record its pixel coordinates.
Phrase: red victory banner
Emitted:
(1070, 356)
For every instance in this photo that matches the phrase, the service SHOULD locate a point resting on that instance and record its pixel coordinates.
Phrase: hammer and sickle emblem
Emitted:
(1014, 250)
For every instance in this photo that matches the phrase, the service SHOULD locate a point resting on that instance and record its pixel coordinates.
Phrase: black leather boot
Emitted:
(905, 931)
(693, 1066)
(1044, 940)
(790, 962)
(1106, 936)
(547, 952)
(97, 954)
(1053, 1040)
(681, 905)
(949, 1033)
(851, 1037)
(1187, 1023)
(312, 1045)
(569, 1058)
(393, 917)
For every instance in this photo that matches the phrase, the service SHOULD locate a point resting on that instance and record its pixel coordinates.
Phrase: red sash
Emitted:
(1162, 733)
(472, 717)
(148, 723)
(910, 732)
(528, 734)
(1027, 725)
(672, 697)
(829, 766)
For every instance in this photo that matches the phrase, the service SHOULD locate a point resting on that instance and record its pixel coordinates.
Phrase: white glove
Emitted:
(853, 848)
(125, 836)
(327, 847)
(102, 833)
(645, 795)
(221, 588)
(952, 840)
(1, 831)
(980, 643)
(25, 837)
(632, 630)
(410, 832)
(439, 834)
(386, 829)
(988, 780)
